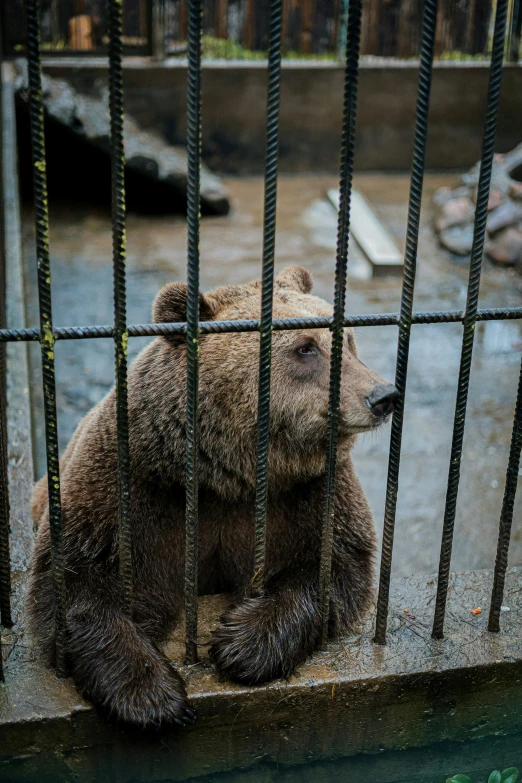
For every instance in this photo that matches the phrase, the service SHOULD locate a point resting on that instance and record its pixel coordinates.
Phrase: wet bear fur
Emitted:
(116, 660)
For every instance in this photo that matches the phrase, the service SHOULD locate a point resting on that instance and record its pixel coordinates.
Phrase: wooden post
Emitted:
(307, 15)
(158, 29)
(80, 33)
(515, 31)
(142, 22)
(183, 20)
(248, 30)
(342, 27)
(373, 27)
(284, 31)
(222, 19)
(409, 25)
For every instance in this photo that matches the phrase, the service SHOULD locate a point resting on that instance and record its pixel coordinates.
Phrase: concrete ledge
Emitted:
(234, 106)
(354, 698)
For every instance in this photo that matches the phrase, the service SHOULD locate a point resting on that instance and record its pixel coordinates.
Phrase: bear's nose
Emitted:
(382, 399)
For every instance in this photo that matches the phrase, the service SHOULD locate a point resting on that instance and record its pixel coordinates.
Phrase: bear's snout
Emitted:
(382, 399)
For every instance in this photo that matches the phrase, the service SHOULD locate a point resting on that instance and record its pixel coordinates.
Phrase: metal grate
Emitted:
(193, 328)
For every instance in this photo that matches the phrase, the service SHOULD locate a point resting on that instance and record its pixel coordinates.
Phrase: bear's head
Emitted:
(300, 381)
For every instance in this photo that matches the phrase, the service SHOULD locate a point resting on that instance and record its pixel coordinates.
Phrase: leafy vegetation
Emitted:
(228, 49)
(509, 775)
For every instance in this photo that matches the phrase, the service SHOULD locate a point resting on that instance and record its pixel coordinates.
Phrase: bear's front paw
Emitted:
(151, 700)
(260, 639)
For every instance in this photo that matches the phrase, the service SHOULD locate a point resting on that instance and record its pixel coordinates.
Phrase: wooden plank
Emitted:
(370, 234)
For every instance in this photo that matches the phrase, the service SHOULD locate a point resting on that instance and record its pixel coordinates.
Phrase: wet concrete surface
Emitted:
(230, 252)
(349, 708)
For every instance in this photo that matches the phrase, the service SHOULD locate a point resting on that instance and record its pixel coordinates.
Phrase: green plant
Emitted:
(509, 775)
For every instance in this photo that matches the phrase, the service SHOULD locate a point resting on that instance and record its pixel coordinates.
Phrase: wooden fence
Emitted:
(390, 28)
(238, 28)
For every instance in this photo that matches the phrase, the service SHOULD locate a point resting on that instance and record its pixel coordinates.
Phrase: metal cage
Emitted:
(47, 334)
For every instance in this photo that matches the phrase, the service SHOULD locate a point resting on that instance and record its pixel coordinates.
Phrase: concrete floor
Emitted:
(230, 252)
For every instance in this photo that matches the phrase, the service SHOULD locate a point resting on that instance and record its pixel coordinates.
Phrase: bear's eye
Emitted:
(308, 349)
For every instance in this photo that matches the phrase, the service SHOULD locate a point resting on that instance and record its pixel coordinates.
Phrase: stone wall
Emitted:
(234, 97)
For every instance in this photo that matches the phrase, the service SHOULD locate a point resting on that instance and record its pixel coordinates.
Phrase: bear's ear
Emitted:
(170, 305)
(295, 277)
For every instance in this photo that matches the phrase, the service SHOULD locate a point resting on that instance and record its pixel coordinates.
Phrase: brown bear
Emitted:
(265, 633)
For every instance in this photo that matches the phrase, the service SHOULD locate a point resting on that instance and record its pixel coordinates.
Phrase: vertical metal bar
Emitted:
(345, 188)
(5, 567)
(506, 516)
(267, 290)
(5, 563)
(495, 78)
(46, 323)
(403, 348)
(193, 217)
(120, 295)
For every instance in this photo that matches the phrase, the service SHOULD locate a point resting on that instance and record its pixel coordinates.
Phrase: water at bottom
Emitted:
(433, 764)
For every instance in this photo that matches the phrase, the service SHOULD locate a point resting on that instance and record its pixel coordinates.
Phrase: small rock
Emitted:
(471, 177)
(515, 190)
(442, 195)
(506, 248)
(496, 197)
(458, 239)
(506, 214)
(454, 212)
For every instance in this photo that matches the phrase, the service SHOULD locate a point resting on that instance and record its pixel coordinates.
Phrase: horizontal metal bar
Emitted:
(253, 325)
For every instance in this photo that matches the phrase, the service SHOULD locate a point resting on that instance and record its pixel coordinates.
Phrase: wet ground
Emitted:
(230, 252)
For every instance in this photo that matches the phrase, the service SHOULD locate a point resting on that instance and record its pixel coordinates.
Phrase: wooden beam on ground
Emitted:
(371, 236)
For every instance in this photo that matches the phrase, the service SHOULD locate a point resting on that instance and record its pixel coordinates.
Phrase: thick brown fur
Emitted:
(265, 634)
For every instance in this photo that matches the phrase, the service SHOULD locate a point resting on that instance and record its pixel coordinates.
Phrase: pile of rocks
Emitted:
(454, 211)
